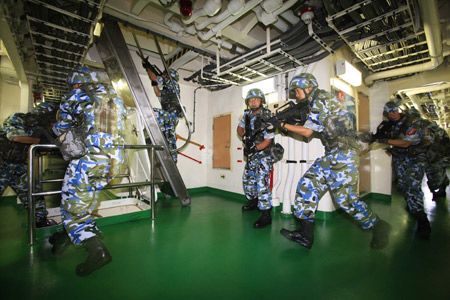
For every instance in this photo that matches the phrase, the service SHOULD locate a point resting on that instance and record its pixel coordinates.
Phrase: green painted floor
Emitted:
(211, 251)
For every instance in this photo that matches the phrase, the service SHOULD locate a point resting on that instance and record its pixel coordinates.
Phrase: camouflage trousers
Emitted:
(338, 173)
(436, 175)
(168, 122)
(409, 173)
(256, 179)
(84, 179)
(15, 175)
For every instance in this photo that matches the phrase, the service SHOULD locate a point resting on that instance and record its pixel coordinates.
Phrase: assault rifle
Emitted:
(290, 113)
(248, 138)
(147, 65)
(384, 130)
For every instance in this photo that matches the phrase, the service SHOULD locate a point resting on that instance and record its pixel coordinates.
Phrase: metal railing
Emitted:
(31, 182)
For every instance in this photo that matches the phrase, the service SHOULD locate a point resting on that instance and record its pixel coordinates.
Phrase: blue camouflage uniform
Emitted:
(437, 158)
(168, 116)
(256, 177)
(409, 163)
(87, 176)
(337, 169)
(14, 171)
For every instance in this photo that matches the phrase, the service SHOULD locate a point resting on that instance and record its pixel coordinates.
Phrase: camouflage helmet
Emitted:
(391, 106)
(255, 93)
(174, 74)
(302, 81)
(83, 75)
(45, 107)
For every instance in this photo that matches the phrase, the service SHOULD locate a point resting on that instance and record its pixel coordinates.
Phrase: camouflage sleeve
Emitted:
(65, 119)
(242, 121)
(317, 116)
(15, 127)
(160, 82)
(269, 135)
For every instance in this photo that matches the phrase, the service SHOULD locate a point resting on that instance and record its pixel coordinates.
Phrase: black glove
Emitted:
(273, 123)
(154, 83)
(250, 150)
(146, 64)
(45, 136)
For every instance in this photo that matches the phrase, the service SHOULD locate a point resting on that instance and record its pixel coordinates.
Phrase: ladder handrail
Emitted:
(31, 183)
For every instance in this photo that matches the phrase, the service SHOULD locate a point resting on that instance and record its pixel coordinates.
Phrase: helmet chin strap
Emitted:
(307, 95)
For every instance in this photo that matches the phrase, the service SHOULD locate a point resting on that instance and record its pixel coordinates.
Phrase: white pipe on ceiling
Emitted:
(430, 17)
(233, 8)
(219, 27)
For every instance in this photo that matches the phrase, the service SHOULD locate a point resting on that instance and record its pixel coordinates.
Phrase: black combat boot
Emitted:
(44, 222)
(423, 225)
(380, 235)
(440, 193)
(60, 241)
(304, 236)
(98, 256)
(264, 220)
(252, 205)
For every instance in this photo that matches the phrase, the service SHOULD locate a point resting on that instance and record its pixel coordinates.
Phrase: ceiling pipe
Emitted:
(233, 8)
(179, 30)
(430, 17)
(248, 6)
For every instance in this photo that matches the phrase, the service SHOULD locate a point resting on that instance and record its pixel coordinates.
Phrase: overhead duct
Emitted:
(430, 17)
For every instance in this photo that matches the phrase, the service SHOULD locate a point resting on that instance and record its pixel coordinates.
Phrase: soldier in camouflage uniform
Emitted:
(336, 170)
(436, 155)
(170, 111)
(22, 131)
(409, 141)
(104, 115)
(258, 141)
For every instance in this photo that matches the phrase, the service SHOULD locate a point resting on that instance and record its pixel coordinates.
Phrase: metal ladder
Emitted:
(118, 63)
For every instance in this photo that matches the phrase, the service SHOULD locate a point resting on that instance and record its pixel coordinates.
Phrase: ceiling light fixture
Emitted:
(348, 72)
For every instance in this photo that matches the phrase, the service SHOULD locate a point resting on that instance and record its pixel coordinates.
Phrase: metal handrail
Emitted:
(31, 182)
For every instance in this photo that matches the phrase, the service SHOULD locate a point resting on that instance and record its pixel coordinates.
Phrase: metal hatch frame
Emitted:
(117, 59)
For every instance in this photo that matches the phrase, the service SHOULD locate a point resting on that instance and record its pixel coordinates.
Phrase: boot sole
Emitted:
(261, 226)
(82, 272)
(288, 236)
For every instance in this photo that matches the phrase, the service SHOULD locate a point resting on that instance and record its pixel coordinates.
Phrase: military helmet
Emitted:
(391, 106)
(255, 93)
(83, 75)
(302, 81)
(174, 74)
(45, 107)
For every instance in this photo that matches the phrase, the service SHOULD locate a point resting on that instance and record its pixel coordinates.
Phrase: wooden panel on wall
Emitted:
(222, 141)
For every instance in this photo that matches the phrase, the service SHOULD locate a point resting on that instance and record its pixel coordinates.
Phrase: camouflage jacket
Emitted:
(331, 120)
(98, 108)
(415, 131)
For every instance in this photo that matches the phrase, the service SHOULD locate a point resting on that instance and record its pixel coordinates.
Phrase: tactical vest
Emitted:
(169, 99)
(105, 109)
(338, 131)
(5, 145)
(18, 153)
(257, 131)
